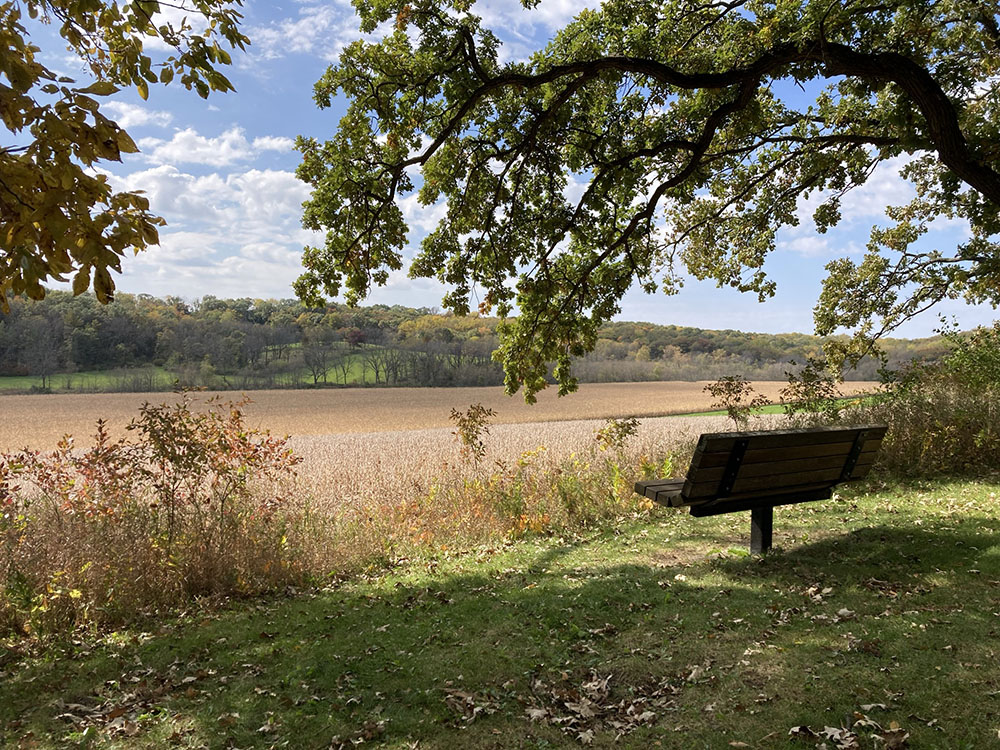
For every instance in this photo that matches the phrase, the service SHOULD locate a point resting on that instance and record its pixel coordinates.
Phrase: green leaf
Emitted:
(100, 88)
(81, 282)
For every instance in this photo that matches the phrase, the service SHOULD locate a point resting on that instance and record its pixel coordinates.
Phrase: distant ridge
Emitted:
(140, 342)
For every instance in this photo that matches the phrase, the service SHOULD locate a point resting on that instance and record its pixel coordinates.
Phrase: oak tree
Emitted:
(652, 138)
(59, 215)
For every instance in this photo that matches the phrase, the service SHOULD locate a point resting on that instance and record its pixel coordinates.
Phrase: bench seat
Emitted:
(758, 470)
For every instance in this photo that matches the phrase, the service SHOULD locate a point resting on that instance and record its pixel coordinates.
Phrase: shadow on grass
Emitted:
(716, 648)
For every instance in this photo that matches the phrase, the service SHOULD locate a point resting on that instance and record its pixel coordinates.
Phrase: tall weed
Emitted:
(943, 417)
(188, 507)
(193, 503)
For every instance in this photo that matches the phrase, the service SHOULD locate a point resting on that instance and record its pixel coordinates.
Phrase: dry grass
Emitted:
(361, 499)
(39, 421)
(359, 469)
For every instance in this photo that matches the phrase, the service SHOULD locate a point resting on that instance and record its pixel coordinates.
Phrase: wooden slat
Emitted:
(761, 455)
(663, 491)
(778, 467)
(774, 468)
(774, 482)
(769, 493)
(724, 441)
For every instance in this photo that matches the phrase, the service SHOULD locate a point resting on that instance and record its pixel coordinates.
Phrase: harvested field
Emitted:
(360, 468)
(38, 421)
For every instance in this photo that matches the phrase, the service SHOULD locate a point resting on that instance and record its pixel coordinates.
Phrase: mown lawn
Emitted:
(876, 621)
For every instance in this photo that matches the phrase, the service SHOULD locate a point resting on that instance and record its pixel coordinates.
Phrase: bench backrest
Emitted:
(741, 465)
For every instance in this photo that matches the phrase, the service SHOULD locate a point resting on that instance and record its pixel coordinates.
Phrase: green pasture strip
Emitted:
(88, 380)
(877, 613)
(335, 377)
(770, 409)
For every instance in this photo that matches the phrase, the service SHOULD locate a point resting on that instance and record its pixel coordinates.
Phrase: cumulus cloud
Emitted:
(811, 246)
(885, 187)
(421, 217)
(132, 115)
(325, 29)
(318, 29)
(273, 143)
(865, 204)
(235, 234)
(189, 146)
(509, 16)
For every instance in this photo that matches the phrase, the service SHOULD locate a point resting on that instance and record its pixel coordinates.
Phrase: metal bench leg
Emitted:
(761, 520)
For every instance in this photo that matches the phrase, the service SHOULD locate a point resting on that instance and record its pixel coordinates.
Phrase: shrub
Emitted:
(811, 396)
(471, 427)
(616, 432)
(943, 417)
(736, 395)
(188, 507)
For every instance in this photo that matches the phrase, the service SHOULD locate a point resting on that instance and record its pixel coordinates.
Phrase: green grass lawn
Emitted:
(769, 409)
(876, 616)
(161, 379)
(90, 380)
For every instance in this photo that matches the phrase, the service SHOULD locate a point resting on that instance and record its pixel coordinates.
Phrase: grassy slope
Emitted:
(87, 380)
(109, 380)
(453, 651)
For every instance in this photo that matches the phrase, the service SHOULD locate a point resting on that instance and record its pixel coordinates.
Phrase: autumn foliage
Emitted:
(188, 505)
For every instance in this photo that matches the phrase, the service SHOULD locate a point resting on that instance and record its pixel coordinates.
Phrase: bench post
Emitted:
(761, 521)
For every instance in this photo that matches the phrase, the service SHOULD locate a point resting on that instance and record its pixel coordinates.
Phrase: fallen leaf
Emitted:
(115, 713)
(536, 714)
(896, 738)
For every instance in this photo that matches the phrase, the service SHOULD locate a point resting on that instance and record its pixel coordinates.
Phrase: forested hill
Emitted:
(144, 343)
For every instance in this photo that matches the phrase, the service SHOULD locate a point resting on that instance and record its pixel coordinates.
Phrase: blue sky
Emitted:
(221, 172)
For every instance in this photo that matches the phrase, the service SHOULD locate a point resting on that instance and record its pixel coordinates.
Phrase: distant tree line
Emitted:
(142, 342)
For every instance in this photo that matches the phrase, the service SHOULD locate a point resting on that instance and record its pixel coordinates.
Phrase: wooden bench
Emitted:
(755, 471)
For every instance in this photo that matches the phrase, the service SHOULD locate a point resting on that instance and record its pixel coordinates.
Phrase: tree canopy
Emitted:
(59, 213)
(650, 138)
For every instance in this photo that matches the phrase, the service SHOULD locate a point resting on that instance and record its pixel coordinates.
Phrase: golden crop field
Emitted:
(38, 421)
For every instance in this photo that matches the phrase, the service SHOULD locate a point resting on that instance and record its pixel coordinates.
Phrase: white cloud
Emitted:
(885, 187)
(811, 246)
(421, 217)
(865, 203)
(247, 204)
(234, 234)
(509, 16)
(175, 16)
(188, 146)
(319, 29)
(273, 143)
(132, 115)
(325, 29)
